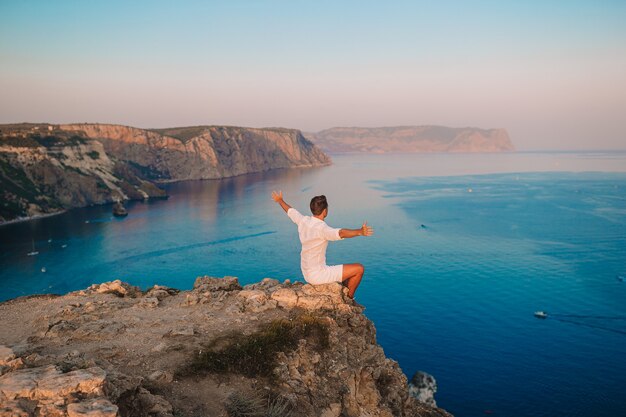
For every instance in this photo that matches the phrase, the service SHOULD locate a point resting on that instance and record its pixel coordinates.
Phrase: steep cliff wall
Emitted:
(219, 349)
(204, 152)
(43, 173)
(412, 139)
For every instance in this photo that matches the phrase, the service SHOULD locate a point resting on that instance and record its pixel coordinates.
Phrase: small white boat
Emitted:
(43, 269)
(33, 252)
(541, 314)
(64, 246)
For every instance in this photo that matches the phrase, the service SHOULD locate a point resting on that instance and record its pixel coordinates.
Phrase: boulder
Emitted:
(8, 360)
(192, 299)
(17, 408)
(49, 390)
(57, 385)
(6, 355)
(161, 292)
(212, 284)
(423, 388)
(285, 297)
(96, 407)
(149, 302)
(149, 404)
(22, 383)
(256, 301)
(161, 376)
(264, 284)
(117, 287)
(332, 296)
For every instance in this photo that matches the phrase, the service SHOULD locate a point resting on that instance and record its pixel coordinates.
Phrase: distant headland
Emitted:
(412, 139)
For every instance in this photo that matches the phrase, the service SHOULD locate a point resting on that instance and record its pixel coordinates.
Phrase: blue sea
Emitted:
(466, 248)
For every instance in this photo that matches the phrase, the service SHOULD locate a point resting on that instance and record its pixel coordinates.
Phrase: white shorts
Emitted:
(325, 275)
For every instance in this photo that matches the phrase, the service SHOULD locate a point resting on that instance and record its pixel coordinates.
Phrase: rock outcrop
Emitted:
(114, 350)
(412, 139)
(423, 387)
(47, 168)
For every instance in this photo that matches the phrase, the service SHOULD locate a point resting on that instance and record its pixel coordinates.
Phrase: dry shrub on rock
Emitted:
(255, 354)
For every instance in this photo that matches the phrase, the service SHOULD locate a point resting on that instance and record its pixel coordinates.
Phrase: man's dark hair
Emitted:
(318, 204)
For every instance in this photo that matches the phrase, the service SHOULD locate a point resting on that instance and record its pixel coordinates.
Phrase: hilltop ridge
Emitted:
(412, 139)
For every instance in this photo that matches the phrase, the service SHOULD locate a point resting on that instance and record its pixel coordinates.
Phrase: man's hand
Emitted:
(366, 230)
(277, 196)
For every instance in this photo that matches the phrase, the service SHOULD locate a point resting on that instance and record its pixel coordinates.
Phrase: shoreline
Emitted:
(161, 182)
(35, 217)
(307, 166)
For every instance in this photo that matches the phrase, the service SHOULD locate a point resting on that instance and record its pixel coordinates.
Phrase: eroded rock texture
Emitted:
(114, 350)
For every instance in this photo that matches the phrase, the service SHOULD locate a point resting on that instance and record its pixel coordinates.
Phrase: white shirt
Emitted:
(314, 236)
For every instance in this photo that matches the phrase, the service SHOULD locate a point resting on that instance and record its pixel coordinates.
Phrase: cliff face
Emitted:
(42, 173)
(412, 139)
(48, 168)
(216, 350)
(204, 152)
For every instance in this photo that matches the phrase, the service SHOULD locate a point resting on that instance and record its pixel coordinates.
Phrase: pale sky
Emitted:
(551, 72)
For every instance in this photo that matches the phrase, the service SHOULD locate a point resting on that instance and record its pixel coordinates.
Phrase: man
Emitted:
(314, 235)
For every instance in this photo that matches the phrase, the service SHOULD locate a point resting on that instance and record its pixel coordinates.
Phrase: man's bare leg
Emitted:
(351, 277)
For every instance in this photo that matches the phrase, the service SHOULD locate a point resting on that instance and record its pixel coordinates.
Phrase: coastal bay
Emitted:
(455, 298)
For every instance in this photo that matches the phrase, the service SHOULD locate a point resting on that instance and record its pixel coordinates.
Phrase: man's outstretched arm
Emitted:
(278, 197)
(365, 230)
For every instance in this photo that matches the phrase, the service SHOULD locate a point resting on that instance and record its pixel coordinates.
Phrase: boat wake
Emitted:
(576, 320)
(182, 248)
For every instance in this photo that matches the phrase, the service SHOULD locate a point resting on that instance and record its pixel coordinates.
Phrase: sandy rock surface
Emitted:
(113, 350)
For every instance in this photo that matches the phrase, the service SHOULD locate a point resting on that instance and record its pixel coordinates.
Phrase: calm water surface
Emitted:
(466, 248)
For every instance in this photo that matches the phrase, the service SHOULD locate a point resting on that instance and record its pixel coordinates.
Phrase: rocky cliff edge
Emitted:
(203, 152)
(219, 349)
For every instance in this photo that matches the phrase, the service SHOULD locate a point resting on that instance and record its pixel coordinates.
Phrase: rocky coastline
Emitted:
(33, 217)
(220, 349)
(47, 168)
